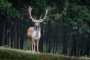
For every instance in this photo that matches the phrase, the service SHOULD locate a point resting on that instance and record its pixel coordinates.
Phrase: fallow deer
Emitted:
(35, 32)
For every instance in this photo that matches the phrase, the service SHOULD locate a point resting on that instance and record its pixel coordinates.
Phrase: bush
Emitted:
(17, 54)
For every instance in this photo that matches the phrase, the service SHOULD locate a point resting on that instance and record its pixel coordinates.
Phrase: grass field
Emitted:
(17, 54)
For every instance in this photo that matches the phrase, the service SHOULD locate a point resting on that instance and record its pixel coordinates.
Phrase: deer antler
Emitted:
(30, 10)
(46, 12)
(39, 20)
(45, 16)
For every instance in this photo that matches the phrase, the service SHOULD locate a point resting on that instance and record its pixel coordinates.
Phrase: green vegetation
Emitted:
(16, 54)
(9, 9)
(65, 11)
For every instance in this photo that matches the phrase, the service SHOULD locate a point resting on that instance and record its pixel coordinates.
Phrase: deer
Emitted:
(34, 32)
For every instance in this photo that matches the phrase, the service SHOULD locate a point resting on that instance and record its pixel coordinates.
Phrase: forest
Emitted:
(65, 31)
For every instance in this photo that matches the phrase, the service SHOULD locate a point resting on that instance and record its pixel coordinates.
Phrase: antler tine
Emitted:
(30, 10)
(45, 14)
(42, 19)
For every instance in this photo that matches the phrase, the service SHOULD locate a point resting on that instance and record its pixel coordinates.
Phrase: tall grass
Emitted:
(17, 54)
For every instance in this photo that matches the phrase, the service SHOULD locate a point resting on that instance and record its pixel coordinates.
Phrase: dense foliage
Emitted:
(7, 8)
(77, 11)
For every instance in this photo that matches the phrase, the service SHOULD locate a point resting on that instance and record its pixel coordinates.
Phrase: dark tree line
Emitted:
(64, 39)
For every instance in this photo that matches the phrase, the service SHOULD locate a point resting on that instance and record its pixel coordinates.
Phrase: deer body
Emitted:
(34, 33)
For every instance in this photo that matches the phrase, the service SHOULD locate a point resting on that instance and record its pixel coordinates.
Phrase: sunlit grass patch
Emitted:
(18, 54)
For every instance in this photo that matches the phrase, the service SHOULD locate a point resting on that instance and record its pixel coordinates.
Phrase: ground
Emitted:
(18, 54)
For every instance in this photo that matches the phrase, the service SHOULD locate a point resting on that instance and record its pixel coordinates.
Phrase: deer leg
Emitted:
(34, 46)
(37, 45)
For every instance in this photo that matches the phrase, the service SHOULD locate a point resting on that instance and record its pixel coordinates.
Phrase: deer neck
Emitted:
(37, 26)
